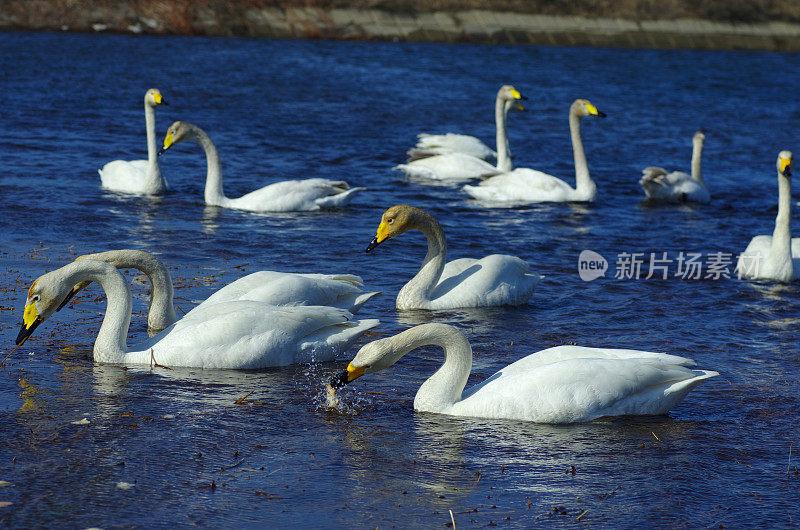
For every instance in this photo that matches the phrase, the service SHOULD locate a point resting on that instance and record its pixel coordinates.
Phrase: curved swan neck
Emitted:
(444, 388)
(419, 288)
(110, 344)
(584, 185)
(782, 235)
(162, 312)
(154, 183)
(213, 194)
(697, 151)
(501, 109)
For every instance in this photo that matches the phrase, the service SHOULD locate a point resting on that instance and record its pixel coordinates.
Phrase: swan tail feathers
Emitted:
(339, 199)
(362, 299)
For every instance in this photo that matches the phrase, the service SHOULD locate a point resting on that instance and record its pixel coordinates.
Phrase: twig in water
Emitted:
(453, 519)
(654, 435)
(240, 401)
(154, 363)
(581, 515)
(179, 309)
(788, 468)
(3, 362)
(237, 464)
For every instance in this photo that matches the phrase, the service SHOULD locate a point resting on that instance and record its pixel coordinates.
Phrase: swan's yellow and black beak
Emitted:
(382, 235)
(159, 99)
(168, 141)
(786, 167)
(348, 376)
(30, 321)
(592, 110)
(516, 95)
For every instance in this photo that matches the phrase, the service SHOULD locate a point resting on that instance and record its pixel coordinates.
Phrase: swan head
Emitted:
(511, 97)
(153, 98)
(399, 219)
(177, 132)
(699, 137)
(373, 357)
(785, 164)
(584, 108)
(45, 297)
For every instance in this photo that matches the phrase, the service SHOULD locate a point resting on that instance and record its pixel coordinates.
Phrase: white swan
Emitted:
(523, 185)
(286, 196)
(495, 280)
(456, 166)
(240, 334)
(775, 257)
(139, 176)
(564, 384)
(678, 185)
(442, 144)
(269, 287)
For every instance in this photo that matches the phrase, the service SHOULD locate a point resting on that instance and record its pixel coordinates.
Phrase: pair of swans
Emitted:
(454, 157)
(139, 176)
(524, 186)
(232, 332)
(563, 384)
(775, 257)
(678, 186)
(269, 287)
(144, 176)
(494, 280)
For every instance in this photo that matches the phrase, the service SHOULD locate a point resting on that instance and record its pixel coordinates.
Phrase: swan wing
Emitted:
(452, 142)
(126, 176)
(582, 389)
(495, 280)
(450, 167)
(295, 195)
(521, 185)
(284, 288)
(245, 335)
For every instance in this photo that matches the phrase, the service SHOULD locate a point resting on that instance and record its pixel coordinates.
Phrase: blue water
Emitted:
(344, 110)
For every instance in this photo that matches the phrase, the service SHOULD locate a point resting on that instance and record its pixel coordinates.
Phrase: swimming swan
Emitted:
(270, 287)
(523, 185)
(456, 166)
(495, 280)
(775, 257)
(139, 176)
(678, 185)
(286, 196)
(241, 334)
(564, 384)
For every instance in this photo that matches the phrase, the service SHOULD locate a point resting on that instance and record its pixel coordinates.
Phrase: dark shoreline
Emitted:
(397, 21)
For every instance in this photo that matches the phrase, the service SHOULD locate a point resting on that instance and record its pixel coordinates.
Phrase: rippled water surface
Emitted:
(728, 455)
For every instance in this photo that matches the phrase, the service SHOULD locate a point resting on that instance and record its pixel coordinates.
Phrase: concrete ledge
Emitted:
(474, 25)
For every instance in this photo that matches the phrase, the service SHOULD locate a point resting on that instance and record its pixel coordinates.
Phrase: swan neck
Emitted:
(154, 183)
(503, 149)
(110, 344)
(162, 312)
(445, 387)
(213, 193)
(782, 235)
(697, 151)
(419, 289)
(584, 185)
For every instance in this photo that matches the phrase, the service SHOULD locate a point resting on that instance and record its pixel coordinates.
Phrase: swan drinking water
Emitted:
(139, 176)
(286, 196)
(240, 334)
(458, 166)
(775, 257)
(678, 185)
(269, 287)
(523, 185)
(564, 384)
(495, 280)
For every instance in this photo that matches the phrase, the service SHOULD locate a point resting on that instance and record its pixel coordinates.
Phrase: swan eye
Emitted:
(35, 298)
(390, 221)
